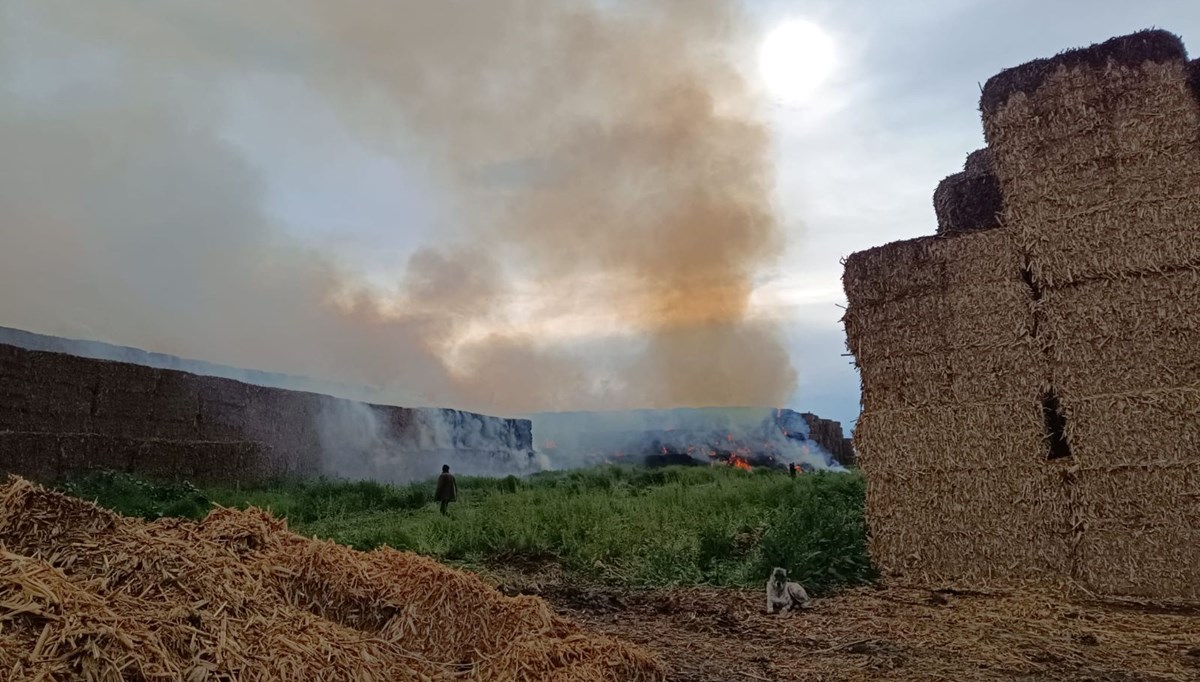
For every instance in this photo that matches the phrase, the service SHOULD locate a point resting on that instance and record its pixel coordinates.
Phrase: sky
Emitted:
(270, 136)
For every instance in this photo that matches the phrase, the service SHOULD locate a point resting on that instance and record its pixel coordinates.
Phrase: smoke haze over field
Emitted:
(602, 193)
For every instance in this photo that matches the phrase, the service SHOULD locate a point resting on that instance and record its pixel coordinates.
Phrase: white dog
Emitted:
(782, 594)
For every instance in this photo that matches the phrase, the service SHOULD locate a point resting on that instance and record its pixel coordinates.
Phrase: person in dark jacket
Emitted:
(792, 470)
(447, 489)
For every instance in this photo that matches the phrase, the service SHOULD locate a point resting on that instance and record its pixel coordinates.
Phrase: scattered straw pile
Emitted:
(88, 594)
(1091, 319)
(897, 633)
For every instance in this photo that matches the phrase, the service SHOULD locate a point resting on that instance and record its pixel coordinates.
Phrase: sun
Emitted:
(795, 59)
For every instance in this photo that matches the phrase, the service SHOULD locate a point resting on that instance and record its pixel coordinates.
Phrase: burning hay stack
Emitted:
(1030, 384)
(88, 594)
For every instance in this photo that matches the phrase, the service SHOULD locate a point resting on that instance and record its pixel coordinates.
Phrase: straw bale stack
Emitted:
(89, 594)
(1097, 152)
(1073, 340)
(952, 431)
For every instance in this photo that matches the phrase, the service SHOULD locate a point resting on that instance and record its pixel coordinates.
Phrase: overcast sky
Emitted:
(901, 114)
(856, 165)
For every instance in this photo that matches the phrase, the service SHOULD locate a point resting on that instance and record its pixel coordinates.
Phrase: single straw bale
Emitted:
(173, 410)
(906, 382)
(222, 408)
(16, 405)
(1142, 491)
(995, 314)
(61, 394)
(999, 374)
(967, 201)
(900, 327)
(1125, 334)
(1098, 156)
(88, 452)
(897, 270)
(977, 257)
(1133, 560)
(1140, 522)
(31, 455)
(977, 437)
(979, 161)
(1011, 524)
(1156, 425)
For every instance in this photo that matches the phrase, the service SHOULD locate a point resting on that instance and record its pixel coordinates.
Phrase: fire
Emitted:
(739, 462)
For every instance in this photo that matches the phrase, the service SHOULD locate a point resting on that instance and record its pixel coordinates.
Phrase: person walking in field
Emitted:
(447, 489)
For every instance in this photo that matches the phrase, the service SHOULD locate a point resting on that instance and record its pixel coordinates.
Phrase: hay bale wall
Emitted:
(60, 414)
(951, 437)
(1097, 156)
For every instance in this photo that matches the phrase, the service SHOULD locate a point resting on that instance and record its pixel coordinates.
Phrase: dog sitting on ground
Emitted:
(783, 595)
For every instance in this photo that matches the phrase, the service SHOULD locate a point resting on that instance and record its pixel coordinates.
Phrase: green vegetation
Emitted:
(620, 525)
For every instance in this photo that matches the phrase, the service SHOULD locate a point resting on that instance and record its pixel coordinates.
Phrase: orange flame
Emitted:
(739, 462)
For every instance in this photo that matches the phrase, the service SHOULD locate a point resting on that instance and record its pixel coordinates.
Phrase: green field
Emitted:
(618, 525)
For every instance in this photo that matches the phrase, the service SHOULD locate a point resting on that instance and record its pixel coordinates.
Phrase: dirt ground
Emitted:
(891, 633)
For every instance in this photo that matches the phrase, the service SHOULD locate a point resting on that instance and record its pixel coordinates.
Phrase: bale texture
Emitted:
(1139, 534)
(1158, 425)
(932, 527)
(1098, 158)
(967, 437)
(92, 595)
(1128, 334)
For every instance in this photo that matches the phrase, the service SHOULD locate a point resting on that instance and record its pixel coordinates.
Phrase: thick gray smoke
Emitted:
(577, 439)
(607, 183)
(359, 444)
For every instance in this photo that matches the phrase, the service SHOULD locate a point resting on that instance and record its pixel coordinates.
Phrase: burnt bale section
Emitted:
(1083, 434)
(61, 414)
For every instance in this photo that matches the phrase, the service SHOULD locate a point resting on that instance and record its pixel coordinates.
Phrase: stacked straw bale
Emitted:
(1098, 155)
(88, 594)
(969, 200)
(952, 435)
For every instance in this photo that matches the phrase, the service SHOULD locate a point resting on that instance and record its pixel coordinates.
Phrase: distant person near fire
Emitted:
(792, 469)
(447, 489)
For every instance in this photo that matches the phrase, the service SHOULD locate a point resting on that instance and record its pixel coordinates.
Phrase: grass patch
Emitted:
(620, 525)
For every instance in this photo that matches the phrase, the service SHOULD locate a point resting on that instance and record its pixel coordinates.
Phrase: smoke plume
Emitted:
(606, 188)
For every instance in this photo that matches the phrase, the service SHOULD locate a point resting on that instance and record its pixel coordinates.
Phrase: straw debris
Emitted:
(88, 594)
